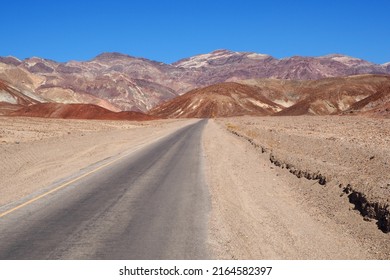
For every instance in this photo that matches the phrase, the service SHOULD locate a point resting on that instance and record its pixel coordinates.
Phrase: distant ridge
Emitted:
(362, 94)
(122, 82)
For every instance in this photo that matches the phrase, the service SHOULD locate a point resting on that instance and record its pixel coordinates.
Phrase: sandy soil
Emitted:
(36, 152)
(349, 152)
(259, 210)
(262, 211)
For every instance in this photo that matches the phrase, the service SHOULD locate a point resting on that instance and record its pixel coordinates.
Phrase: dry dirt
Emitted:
(78, 111)
(259, 210)
(36, 152)
(263, 211)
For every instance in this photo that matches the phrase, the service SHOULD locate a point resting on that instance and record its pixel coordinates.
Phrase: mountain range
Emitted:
(359, 94)
(120, 82)
(220, 83)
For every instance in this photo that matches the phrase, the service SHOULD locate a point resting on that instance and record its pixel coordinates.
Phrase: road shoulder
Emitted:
(260, 212)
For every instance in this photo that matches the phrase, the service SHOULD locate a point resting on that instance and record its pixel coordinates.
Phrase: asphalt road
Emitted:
(151, 204)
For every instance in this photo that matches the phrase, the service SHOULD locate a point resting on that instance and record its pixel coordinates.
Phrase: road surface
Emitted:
(150, 204)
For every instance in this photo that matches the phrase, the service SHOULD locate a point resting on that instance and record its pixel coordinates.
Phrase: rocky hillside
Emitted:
(219, 100)
(121, 82)
(360, 94)
(12, 98)
(223, 65)
(352, 95)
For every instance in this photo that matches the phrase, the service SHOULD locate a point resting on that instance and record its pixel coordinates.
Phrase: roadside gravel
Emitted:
(261, 211)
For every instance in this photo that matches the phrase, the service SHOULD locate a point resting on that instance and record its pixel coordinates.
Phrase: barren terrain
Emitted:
(37, 152)
(121, 82)
(280, 187)
(352, 95)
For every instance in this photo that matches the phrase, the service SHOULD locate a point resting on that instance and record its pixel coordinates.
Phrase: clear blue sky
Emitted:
(170, 30)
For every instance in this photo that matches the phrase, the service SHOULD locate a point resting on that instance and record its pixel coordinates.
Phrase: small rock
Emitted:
(367, 219)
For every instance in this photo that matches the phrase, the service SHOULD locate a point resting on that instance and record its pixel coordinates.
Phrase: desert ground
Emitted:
(280, 187)
(37, 152)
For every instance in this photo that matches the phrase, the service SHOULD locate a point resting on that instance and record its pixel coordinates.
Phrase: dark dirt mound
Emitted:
(219, 100)
(77, 111)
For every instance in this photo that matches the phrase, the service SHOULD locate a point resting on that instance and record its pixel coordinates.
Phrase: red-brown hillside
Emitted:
(357, 94)
(77, 111)
(12, 99)
(219, 100)
(339, 95)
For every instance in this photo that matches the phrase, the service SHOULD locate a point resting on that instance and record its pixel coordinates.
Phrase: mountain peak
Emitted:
(218, 58)
(340, 57)
(39, 59)
(333, 55)
(221, 51)
(111, 55)
(11, 60)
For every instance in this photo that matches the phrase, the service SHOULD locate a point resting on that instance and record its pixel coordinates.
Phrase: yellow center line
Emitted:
(76, 179)
(65, 184)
